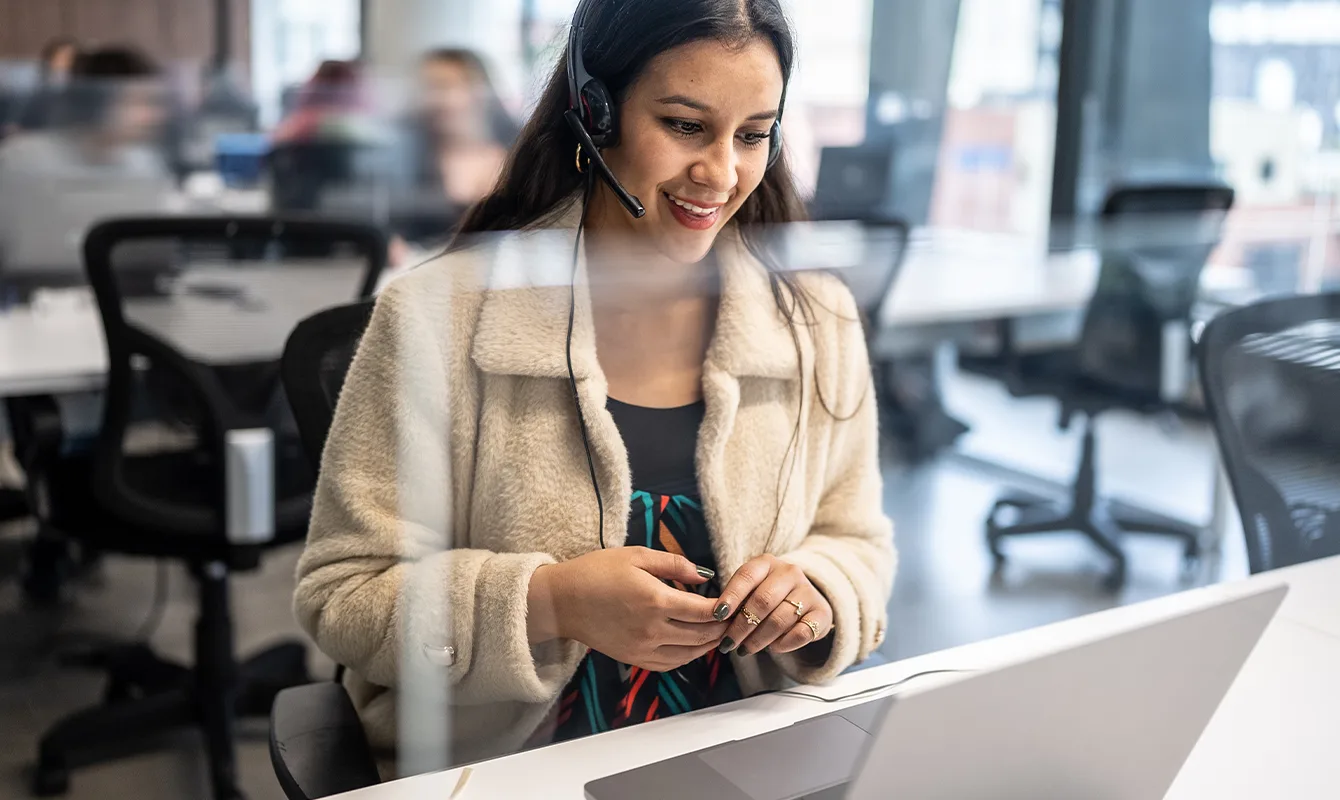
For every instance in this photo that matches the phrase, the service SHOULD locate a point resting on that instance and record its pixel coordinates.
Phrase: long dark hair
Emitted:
(539, 180)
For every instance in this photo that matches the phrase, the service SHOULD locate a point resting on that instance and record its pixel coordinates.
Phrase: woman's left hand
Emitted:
(774, 605)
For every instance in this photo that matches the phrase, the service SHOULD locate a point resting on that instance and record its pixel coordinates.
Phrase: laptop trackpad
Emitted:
(792, 762)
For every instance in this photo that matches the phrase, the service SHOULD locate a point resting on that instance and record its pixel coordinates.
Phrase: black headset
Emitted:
(593, 116)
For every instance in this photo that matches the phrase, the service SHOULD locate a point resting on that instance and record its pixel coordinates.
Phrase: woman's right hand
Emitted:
(615, 602)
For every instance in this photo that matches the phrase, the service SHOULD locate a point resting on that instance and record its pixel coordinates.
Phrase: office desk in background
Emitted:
(1274, 735)
(949, 284)
(62, 350)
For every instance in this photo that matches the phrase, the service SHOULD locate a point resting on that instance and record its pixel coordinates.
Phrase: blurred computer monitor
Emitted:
(853, 183)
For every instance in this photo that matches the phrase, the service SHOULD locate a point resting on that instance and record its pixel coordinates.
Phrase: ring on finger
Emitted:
(800, 607)
(750, 617)
(814, 629)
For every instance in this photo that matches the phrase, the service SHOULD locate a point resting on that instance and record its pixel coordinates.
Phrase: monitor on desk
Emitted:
(853, 183)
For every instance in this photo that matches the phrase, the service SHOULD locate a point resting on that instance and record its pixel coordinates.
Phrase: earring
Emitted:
(577, 159)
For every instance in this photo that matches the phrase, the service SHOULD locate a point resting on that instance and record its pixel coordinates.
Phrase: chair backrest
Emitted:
(1155, 241)
(1271, 374)
(195, 312)
(316, 361)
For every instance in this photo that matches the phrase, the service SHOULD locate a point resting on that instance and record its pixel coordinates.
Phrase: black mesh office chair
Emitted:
(1271, 373)
(317, 745)
(1155, 243)
(191, 364)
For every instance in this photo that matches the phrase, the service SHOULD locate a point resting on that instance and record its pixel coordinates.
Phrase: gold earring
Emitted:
(577, 159)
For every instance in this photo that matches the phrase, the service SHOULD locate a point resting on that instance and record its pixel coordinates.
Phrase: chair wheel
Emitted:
(50, 779)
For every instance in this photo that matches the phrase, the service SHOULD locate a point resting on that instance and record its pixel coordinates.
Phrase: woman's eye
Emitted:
(684, 127)
(754, 138)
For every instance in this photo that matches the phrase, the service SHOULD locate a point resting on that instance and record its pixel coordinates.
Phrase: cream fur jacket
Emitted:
(455, 468)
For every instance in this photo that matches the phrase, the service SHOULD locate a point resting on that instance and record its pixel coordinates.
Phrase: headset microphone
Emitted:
(589, 149)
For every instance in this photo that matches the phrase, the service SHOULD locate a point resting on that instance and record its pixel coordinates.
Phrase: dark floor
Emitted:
(944, 595)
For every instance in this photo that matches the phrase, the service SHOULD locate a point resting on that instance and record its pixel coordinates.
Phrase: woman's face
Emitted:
(451, 97)
(693, 144)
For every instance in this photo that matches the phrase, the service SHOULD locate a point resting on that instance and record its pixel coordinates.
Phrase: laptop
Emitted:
(1112, 718)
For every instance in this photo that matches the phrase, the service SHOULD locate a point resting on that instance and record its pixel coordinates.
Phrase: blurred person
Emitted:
(462, 131)
(333, 106)
(650, 491)
(54, 68)
(106, 134)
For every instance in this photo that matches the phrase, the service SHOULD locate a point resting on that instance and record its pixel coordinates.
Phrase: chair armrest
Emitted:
(317, 744)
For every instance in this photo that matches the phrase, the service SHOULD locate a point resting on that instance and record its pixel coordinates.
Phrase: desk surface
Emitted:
(1274, 735)
(62, 350)
(952, 278)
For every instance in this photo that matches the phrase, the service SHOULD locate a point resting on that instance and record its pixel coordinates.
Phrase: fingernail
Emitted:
(706, 574)
(727, 645)
(743, 652)
(721, 613)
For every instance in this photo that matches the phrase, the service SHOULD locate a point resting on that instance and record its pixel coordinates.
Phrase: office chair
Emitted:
(190, 368)
(1156, 240)
(317, 744)
(1271, 373)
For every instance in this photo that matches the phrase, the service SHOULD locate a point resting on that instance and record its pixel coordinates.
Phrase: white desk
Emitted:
(1276, 735)
(60, 351)
(953, 279)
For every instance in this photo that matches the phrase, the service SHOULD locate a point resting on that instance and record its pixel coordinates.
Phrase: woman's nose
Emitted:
(716, 167)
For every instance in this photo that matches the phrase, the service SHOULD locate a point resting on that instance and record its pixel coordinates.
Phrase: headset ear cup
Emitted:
(775, 143)
(600, 114)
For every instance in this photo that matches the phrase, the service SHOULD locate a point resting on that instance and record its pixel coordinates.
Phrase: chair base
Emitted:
(1105, 523)
(147, 695)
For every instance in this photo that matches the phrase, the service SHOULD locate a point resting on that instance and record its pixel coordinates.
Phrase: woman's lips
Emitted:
(690, 219)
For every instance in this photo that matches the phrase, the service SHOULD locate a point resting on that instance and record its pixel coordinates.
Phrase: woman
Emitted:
(725, 410)
(463, 131)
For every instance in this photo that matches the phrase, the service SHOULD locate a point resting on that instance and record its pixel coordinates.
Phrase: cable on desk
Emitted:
(873, 690)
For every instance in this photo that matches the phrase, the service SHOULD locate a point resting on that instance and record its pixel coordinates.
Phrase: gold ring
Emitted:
(814, 629)
(800, 607)
(750, 617)
(577, 159)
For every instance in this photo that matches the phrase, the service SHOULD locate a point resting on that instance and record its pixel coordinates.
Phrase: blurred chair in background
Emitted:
(1133, 354)
(180, 469)
(38, 109)
(1271, 373)
(317, 744)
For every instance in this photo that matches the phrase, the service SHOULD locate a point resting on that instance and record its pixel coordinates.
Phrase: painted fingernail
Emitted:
(743, 652)
(727, 645)
(706, 574)
(721, 613)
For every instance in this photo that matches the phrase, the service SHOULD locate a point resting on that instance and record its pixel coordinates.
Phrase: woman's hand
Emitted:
(774, 606)
(615, 602)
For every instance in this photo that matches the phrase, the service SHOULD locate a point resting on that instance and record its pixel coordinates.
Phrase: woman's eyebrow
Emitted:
(688, 102)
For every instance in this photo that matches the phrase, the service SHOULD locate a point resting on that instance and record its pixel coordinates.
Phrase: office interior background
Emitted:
(1003, 126)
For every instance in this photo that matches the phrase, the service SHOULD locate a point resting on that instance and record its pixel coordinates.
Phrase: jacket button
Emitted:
(444, 656)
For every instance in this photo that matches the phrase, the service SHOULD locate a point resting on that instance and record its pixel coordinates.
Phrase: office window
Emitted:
(1275, 136)
(290, 38)
(995, 161)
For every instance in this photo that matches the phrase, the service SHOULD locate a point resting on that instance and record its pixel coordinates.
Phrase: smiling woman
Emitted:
(664, 488)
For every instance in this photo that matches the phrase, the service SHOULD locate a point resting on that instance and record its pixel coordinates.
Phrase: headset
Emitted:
(593, 117)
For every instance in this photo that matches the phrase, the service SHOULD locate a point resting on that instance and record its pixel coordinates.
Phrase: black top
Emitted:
(664, 514)
(661, 443)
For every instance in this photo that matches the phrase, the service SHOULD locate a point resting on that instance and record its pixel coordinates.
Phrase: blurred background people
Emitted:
(54, 68)
(461, 131)
(332, 106)
(100, 157)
